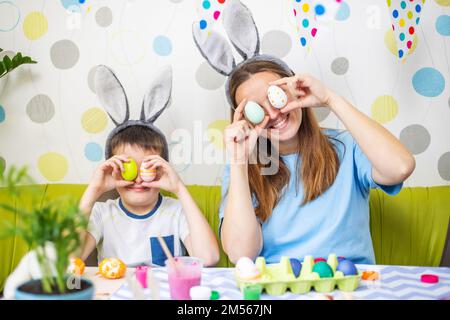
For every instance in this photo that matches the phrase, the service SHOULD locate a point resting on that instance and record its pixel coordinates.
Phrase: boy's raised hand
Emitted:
(108, 175)
(167, 178)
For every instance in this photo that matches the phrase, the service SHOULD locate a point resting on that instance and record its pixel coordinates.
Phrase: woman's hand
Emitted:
(241, 137)
(307, 91)
(108, 175)
(167, 178)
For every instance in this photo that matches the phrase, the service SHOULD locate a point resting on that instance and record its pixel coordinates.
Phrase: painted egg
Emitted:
(76, 266)
(130, 171)
(347, 268)
(112, 268)
(319, 259)
(296, 266)
(277, 97)
(246, 269)
(254, 112)
(147, 175)
(323, 269)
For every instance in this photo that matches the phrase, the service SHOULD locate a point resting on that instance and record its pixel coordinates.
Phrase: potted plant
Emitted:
(52, 232)
(8, 64)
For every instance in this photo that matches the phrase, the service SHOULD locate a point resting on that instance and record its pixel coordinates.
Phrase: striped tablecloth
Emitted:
(396, 282)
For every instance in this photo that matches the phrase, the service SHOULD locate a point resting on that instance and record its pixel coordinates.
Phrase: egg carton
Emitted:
(277, 278)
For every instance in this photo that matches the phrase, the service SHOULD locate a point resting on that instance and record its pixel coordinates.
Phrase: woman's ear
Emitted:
(241, 29)
(215, 49)
(111, 94)
(158, 96)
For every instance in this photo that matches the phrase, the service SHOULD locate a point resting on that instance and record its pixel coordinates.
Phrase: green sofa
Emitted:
(408, 229)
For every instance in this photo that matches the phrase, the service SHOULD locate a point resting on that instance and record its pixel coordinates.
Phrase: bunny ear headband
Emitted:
(243, 35)
(115, 102)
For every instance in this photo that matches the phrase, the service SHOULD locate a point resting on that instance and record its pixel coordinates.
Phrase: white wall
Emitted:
(123, 35)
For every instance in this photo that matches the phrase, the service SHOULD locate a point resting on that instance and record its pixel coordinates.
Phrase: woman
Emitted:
(317, 202)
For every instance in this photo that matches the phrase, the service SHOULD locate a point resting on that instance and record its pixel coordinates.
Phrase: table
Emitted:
(396, 282)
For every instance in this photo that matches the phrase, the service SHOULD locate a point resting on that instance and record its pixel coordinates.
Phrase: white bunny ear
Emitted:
(215, 49)
(241, 29)
(111, 94)
(158, 96)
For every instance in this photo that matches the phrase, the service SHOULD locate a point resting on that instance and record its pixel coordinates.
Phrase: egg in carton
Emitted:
(323, 277)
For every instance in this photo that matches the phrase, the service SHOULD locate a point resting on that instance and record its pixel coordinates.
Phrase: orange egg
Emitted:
(370, 275)
(76, 266)
(112, 268)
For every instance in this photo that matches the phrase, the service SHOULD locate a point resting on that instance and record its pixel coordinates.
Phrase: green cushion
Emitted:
(408, 229)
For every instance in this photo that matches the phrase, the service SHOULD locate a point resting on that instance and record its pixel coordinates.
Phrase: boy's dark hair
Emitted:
(142, 137)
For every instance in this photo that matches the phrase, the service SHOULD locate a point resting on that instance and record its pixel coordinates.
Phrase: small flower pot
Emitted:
(32, 290)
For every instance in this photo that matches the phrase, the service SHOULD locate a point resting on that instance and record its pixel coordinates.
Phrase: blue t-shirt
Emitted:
(335, 222)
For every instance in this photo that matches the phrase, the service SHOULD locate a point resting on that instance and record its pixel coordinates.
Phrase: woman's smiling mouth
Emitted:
(280, 123)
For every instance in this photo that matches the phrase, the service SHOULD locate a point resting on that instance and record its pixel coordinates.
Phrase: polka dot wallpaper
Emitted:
(390, 58)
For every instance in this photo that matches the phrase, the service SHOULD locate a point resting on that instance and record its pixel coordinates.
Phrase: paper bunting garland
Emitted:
(307, 15)
(306, 21)
(209, 12)
(405, 16)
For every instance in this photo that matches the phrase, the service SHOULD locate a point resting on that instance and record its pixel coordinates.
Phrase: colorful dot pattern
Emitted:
(307, 13)
(55, 104)
(209, 12)
(405, 17)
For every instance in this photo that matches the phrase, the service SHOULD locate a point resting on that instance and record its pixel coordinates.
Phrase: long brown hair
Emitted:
(319, 160)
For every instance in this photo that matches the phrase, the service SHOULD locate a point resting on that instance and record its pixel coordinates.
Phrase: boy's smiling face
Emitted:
(137, 198)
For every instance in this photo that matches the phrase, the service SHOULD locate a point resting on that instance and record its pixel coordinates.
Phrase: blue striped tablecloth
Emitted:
(396, 282)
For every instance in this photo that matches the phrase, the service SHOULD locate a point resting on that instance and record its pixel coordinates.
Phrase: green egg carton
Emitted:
(277, 278)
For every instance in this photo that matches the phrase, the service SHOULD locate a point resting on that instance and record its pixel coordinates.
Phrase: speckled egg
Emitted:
(112, 268)
(277, 97)
(254, 112)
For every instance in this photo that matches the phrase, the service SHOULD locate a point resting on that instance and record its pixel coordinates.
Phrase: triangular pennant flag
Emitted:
(309, 13)
(305, 20)
(405, 16)
(209, 12)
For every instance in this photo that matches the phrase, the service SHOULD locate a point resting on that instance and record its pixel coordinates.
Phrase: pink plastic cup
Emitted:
(186, 274)
(141, 275)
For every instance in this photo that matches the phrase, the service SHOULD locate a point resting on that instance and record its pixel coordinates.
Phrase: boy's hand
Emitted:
(167, 178)
(108, 175)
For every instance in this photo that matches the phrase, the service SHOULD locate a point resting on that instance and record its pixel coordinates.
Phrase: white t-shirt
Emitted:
(132, 238)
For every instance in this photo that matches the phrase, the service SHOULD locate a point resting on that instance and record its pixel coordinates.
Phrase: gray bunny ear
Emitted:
(215, 49)
(241, 29)
(111, 94)
(158, 96)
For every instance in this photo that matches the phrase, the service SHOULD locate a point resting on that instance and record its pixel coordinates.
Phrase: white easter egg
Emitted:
(246, 268)
(277, 97)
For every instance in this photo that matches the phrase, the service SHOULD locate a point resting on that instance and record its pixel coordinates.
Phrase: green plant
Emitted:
(59, 223)
(8, 64)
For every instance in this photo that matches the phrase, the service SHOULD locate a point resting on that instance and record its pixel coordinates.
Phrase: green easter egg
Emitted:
(323, 269)
(131, 171)
(254, 112)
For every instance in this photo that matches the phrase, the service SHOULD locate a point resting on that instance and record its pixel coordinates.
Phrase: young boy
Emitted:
(128, 227)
